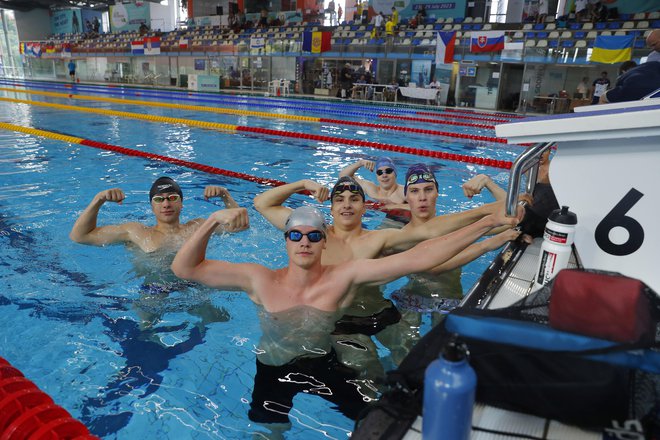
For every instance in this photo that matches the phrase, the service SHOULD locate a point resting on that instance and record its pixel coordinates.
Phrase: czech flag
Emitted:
(316, 42)
(612, 49)
(491, 41)
(444, 47)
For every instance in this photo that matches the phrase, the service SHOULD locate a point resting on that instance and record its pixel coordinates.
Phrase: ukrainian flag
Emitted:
(610, 49)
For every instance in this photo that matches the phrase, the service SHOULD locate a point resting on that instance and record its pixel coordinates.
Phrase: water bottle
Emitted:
(556, 248)
(449, 387)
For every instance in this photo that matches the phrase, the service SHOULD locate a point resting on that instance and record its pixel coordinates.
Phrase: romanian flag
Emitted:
(444, 47)
(612, 49)
(316, 42)
(490, 41)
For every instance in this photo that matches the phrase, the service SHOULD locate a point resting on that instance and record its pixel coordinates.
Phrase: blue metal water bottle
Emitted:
(449, 387)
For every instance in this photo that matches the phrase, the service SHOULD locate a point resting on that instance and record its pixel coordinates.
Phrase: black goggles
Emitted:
(351, 187)
(312, 236)
(385, 171)
(413, 178)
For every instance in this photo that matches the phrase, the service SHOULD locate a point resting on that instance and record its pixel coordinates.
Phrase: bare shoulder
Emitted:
(370, 244)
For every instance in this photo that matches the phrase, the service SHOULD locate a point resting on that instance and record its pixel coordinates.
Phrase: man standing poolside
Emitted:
(166, 200)
(299, 302)
(387, 190)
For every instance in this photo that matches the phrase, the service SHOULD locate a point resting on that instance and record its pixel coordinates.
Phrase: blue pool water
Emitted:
(75, 319)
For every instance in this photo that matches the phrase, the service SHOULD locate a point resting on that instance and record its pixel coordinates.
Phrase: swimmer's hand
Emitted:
(368, 164)
(474, 186)
(318, 191)
(497, 241)
(500, 219)
(525, 198)
(232, 220)
(115, 195)
(215, 191)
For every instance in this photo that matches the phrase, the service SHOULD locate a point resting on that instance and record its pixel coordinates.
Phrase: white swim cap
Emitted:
(305, 216)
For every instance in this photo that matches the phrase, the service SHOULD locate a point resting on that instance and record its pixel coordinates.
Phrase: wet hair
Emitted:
(305, 216)
(346, 180)
(164, 185)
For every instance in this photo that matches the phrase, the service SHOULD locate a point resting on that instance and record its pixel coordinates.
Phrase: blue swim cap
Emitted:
(385, 161)
(305, 216)
(419, 173)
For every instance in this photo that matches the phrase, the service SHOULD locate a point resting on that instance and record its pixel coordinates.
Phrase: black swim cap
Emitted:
(347, 183)
(164, 185)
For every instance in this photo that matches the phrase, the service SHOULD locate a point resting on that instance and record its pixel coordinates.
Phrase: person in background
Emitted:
(635, 83)
(599, 87)
(395, 16)
(543, 11)
(653, 42)
(72, 70)
(582, 89)
(387, 191)
(581, 9)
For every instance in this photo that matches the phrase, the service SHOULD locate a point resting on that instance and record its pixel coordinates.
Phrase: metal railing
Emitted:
(527, 161)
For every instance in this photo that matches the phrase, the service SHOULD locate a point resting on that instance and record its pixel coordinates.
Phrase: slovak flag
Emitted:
(444, 47)
(490, 41)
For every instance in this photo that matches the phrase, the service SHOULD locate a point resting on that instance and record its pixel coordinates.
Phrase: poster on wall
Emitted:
(622, 6)
(67, 21)
(420, 72)
(129, 17)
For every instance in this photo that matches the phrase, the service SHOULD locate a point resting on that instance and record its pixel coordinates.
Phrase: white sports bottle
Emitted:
(556, 248)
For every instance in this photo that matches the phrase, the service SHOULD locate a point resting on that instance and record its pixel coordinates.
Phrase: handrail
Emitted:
(526, 161)
(652, 95)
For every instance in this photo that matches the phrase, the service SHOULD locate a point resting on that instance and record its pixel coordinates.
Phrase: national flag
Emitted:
(21, 48)
(183, 43)
(66, 50)
(489, 41)
(257, 43)
(612, 49)
(152, 45)
(34, 49)
(137, 47)
(444, 47)
(316, 42)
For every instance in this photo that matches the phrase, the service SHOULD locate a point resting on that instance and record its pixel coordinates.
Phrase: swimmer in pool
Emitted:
(368, 313)
(154, 247)
(166, 200)
(438, 290)
(387, 190)
(309, 295)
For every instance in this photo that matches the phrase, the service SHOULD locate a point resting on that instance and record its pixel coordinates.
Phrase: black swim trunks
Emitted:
(367, 325)
(276, 386)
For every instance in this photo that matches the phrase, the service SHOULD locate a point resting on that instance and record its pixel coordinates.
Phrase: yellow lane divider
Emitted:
(225, 111)
(42, 133)
(152, 118)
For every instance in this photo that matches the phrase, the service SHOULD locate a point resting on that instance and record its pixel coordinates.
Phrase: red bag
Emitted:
(605, 305)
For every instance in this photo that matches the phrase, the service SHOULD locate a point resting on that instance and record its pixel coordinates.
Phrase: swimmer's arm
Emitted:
(476, 250)
(350, 170)
(269, 203)
(85, 229)
(218, 191)
(422, 257)
(474, 186)
(438, 226)
(190, 262)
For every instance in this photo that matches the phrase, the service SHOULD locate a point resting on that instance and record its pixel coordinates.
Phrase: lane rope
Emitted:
(288, 134)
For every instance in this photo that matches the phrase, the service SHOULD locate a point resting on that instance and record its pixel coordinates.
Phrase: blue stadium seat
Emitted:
(410, 34)
(600, 25)
(541, 35)
(438, 26)
(456, 20)
(416, 42)
(568, 43)
(614, 25)
(467, 27)
(575, 26)
(579, 35)
(372, 42)
(539, 27)
(477, 27)
(590, 43)
(530, 35)
(625, 17)
(553, 43)
(640, 43)
(655, 24)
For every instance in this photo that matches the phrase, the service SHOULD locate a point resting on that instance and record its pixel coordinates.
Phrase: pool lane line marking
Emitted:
(233, 99)
(142, 154)
(278, 116)
(238, 128)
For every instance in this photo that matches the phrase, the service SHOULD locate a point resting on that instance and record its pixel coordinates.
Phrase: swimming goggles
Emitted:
(385, 171)
(170, 198)
(312, 236)
(413, 178)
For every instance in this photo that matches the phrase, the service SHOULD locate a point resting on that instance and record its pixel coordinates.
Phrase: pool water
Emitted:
(78, 320)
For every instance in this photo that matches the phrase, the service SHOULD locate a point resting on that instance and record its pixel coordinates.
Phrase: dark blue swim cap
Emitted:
(164, 185)
(347, 183)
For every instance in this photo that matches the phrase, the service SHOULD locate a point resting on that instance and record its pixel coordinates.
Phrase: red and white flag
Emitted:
(444, 47)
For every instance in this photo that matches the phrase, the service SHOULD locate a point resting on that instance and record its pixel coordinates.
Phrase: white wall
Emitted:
(33, 25)
(163, 16)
